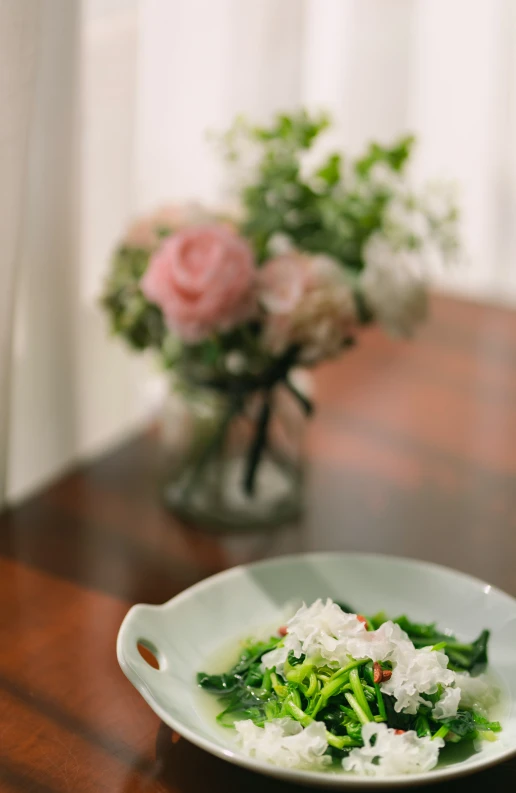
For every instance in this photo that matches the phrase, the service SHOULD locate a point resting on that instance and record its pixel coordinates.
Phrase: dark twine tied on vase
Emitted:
(278, 375)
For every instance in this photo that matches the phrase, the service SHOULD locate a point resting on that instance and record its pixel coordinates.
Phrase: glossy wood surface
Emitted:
(412, 451)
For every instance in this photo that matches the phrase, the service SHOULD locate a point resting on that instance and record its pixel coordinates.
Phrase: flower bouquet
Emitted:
(233, 303)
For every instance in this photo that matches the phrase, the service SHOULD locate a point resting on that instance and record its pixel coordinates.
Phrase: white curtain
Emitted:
(19, 36)
(104, 106)
(70, 390)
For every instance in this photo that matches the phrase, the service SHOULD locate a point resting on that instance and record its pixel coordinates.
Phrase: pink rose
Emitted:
(144, 232)
(282, 283)
(203, 280)
(307, 302)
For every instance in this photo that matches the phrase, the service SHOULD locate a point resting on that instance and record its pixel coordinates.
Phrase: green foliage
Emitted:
(469, 656)
(320, 211)
(463, 724)
(354, 730)
(422, 726)
(242, 690)
(400, 721)
(297, 131)
(293, 661)
(395, 157)
(330, 171)
(132, 316)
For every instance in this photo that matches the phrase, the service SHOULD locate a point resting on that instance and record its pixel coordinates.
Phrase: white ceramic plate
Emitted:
(186, 632)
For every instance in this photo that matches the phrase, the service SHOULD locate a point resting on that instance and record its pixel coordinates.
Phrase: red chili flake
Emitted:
(377, 672)
(283, 630)
(361, 618)
(175, 737)
(386, 675)
(399, 732)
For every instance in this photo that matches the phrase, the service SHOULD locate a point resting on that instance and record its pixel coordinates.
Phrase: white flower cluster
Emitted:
(394, 285)
(417, 237)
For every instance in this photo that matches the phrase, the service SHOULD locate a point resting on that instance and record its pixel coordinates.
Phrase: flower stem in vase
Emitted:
(305, 403)
(258, 445)
(213, 446)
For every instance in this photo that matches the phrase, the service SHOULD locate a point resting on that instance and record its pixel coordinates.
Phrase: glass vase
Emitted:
(235, 461)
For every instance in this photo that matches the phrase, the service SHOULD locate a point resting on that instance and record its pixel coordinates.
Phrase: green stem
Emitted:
(457, 656)
(212, 447)
(381, 703)
(342, 674)
(340, 741)
(316, 704)
(258, 445)
(278, 687)
(299, 715)
(422, 726)
(442, 732)
(454, 645)
(312, 685)
(305, 403)
(349, 712)
(267, 681)
(358, 691)
(360, 714)
(295, 697)
(333, 686)
(296, 674)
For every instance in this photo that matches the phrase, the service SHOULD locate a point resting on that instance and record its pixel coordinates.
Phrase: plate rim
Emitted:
(304, 777)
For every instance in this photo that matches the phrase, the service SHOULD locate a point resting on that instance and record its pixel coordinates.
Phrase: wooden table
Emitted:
(413, 451)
